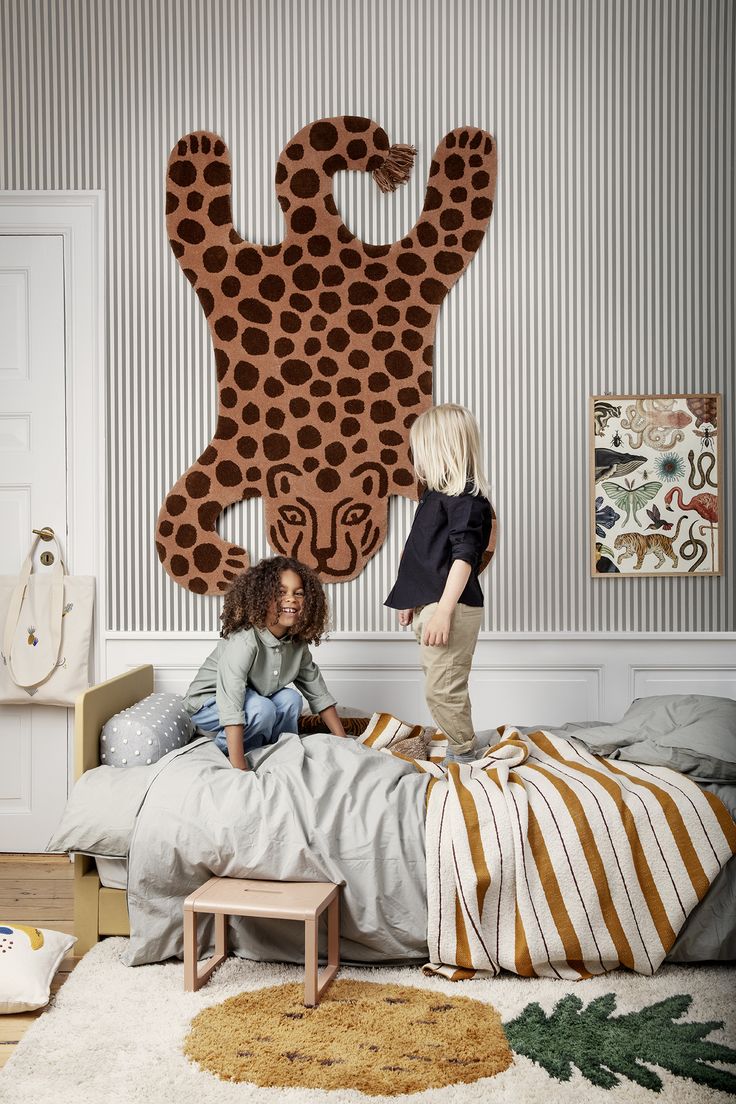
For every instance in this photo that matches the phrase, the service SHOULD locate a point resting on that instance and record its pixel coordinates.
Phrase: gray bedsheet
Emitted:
(316, 809)
(709, 933)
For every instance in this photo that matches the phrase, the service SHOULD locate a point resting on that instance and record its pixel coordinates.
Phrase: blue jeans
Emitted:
(265, 718)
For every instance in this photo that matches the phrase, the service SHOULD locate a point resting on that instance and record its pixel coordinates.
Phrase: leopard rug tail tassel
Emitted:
(396, 169)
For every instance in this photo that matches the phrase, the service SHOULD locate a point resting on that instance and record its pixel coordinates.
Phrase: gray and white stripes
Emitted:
(608, 265)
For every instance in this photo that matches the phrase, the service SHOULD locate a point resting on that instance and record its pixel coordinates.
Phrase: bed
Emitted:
(313, 809)
(98, 910)
(710, 931)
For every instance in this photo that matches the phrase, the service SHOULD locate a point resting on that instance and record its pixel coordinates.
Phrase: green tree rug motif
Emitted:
(602, 1045)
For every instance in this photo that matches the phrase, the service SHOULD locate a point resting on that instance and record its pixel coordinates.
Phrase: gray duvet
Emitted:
(319, 809)
(709, 933)
(314, 809)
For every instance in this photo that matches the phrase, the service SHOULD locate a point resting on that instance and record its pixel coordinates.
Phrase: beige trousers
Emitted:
(446, 671)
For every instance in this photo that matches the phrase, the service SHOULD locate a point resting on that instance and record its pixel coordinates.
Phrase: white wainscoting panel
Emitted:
(15, 760)
(535, 695)
(720, 681)
(520, 679)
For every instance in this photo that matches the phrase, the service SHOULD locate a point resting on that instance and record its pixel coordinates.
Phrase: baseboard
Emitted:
(524, 679)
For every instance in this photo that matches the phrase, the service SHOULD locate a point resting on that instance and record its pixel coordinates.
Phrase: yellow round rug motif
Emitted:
(379, 1039)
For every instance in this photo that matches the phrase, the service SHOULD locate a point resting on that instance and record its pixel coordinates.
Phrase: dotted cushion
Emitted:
(145, 732)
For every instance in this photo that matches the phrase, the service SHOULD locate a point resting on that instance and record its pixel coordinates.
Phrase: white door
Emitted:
(33, 494)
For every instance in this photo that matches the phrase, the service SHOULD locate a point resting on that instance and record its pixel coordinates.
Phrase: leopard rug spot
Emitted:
(378, 1039)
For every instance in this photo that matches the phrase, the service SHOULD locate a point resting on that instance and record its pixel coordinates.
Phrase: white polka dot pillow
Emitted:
(145, 732)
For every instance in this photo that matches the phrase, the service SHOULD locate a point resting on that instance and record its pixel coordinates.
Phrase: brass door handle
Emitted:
(46, 534)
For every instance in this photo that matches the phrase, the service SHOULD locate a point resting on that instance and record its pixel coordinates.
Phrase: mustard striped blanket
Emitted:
(545, 860)
(548, 861)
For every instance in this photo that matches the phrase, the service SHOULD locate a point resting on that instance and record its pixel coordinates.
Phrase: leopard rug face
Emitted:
(323, 344)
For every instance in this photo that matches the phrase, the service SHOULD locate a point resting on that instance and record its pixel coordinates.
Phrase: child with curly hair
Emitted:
(241, 694)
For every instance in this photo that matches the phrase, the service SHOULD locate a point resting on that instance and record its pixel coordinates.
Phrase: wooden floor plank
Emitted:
(38, 895)
(10, 1026)
(34, 861)
(30, 889)
(11, 872)
(49, 890)
(39, 914)
(66, 926)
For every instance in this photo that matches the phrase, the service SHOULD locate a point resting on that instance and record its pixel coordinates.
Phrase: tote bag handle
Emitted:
(56, 598)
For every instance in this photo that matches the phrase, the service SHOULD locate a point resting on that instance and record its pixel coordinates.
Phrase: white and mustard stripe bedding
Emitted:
(388, 733)
(545, 860)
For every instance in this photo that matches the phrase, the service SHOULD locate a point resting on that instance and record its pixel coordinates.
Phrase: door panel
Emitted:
(14, 310)
(33, 493)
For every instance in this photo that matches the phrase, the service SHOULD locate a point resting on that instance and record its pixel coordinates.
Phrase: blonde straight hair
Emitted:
(445, 442)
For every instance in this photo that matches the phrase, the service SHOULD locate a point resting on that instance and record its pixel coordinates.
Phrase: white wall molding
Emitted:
(524, 678)
(620, 637)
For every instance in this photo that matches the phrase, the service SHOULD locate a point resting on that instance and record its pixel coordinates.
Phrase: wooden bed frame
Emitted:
(99, 911)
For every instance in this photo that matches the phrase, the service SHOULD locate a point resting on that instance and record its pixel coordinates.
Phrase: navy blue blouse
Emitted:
(445, 528)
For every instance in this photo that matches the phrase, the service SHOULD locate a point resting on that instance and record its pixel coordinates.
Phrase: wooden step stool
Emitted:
(304, 901)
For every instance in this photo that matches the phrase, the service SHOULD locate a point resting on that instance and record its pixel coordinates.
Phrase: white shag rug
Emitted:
(114, 1034)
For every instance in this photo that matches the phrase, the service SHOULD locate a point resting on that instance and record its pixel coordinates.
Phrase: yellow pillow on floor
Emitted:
(29, 958)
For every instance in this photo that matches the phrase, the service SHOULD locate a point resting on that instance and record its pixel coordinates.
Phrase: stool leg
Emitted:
(325, 976)
(333, 934)
(310, 962)
(194, 978)
(190, 951)
(220, 935)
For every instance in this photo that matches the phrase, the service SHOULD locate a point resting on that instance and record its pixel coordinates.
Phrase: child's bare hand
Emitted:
(406, 617)
(437, 629)
(332, 719)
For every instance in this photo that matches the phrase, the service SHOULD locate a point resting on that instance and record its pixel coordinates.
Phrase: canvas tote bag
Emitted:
(46, 630)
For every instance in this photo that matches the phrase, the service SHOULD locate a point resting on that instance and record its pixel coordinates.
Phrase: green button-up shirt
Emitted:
(255, 657)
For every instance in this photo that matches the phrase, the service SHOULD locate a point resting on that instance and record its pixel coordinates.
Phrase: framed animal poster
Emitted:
(656, 483)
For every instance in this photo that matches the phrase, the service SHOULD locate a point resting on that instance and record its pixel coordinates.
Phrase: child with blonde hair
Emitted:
(437, 586)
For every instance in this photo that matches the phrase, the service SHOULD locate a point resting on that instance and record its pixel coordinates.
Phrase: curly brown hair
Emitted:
(249, 598)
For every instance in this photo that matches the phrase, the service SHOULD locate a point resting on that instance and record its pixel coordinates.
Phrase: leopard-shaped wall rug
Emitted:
(323, 344)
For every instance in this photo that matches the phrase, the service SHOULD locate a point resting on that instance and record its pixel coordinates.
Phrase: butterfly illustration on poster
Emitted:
(656, 482)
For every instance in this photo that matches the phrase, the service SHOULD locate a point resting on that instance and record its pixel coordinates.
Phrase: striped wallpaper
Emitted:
(608, 265)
